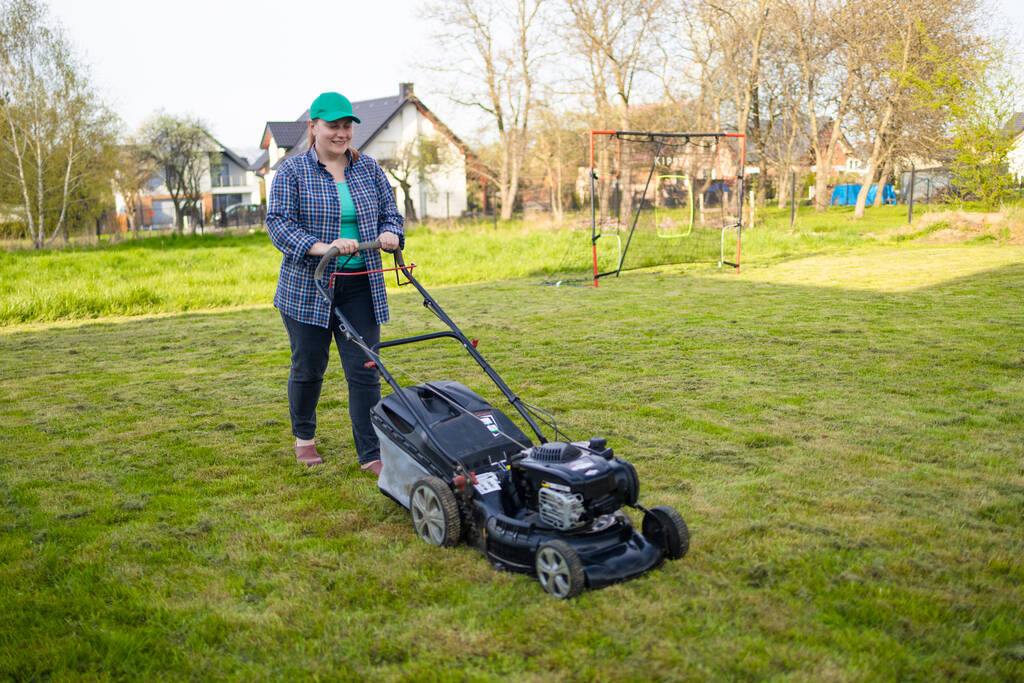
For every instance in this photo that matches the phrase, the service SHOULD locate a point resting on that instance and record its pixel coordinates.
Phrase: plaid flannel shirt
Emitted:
(303, 208)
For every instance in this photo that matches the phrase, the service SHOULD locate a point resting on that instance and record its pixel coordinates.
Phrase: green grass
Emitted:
(840, 427)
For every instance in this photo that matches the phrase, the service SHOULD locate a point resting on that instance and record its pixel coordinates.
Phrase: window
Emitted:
(223, 201)
(220, 174)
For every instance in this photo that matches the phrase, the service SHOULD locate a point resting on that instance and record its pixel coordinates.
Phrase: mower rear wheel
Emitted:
(665, 528)
(559, 569)
(435, 512)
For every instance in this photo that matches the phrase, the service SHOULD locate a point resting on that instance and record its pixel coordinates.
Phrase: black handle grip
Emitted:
(333, 253)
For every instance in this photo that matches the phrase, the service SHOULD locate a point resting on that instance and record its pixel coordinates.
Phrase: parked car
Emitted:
(238, 215)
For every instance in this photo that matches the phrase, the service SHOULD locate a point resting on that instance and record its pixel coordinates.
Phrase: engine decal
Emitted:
(591, 473)
(556, 487)
(487, 483)
(490, 423)
(580, 464)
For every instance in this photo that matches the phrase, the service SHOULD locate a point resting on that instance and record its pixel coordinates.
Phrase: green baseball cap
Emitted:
(331, 106)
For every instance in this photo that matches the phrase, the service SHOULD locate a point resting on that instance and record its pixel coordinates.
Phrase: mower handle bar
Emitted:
(433, 306)
(333, 253)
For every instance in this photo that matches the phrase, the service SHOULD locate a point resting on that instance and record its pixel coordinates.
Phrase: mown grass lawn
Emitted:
(843, 432)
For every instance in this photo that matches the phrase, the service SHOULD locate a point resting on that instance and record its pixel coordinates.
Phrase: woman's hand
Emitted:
(388, 240)
(345, 246)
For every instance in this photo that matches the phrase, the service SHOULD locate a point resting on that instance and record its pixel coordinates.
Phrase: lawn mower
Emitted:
(464, 470)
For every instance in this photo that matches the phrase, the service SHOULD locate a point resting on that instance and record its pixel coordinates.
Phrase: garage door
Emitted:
(163, 212)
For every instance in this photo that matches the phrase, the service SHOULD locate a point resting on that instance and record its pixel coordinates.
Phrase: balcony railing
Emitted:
(228, 181)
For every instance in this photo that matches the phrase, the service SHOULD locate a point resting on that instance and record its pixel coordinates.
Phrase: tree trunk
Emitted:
(883, 180)
(29, 218)
(410, 206)
(876, 153)
(821, 178)
(179, 215)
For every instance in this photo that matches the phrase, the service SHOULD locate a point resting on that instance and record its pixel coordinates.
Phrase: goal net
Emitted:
(660, 198)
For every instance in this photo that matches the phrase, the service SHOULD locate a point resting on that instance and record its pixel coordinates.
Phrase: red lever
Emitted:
(474, 342)
(369, 364)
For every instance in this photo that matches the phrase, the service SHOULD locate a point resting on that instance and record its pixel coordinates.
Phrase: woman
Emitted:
(332, 196)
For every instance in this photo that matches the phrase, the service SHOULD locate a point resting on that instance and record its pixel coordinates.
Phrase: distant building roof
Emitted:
(374, 115)
(237, 158)
(288, 133)
(260, 161)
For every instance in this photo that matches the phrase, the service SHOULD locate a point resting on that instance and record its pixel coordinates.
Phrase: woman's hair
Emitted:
(355, 152)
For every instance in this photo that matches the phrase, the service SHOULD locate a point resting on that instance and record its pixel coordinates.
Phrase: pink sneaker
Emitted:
(307, 455)
(372, 466)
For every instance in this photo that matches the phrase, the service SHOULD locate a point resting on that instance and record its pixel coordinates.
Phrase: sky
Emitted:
(237, 64)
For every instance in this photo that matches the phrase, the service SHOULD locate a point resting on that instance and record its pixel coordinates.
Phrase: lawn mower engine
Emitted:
(571, 485)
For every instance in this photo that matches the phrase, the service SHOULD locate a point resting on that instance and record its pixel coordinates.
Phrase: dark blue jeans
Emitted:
(311, 348)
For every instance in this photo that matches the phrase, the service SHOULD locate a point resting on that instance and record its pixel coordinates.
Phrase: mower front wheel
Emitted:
(559, 569)
(664, 527)
(435, 512)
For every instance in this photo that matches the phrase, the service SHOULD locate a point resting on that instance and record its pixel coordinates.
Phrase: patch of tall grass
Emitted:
(171, 273)
(154, 275)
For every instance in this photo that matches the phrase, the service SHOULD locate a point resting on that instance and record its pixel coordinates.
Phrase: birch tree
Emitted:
(55, 128)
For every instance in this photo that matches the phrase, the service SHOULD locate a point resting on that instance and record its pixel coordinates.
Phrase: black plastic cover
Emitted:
(467, 428)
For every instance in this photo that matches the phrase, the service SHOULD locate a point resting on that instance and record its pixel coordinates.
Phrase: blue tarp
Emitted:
(715, 194)
(846, 195)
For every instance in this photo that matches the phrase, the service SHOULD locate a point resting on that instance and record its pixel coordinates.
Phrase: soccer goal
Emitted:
(660, 198)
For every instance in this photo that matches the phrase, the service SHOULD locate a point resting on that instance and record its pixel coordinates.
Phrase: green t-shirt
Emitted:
(349, 226)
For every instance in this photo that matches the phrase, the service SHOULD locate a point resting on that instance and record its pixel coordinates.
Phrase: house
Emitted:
(845, 159)
(389, 128)
(1015, 158)
(227, 181)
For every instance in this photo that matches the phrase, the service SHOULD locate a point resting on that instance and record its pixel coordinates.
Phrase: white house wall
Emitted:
(274, 154)
(447, 198)
(1015, 158)
(249, 188)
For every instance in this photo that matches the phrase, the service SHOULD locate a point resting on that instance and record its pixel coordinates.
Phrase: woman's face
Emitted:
(332, 137)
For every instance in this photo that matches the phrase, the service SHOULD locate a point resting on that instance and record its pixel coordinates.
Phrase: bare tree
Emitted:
(738, 34)
(178, 147)
(558, 154)
(901, 72)
(811, 29)
(416, 162)
(497, 71)
(56, 132)
(616, 43)
(132, 174)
